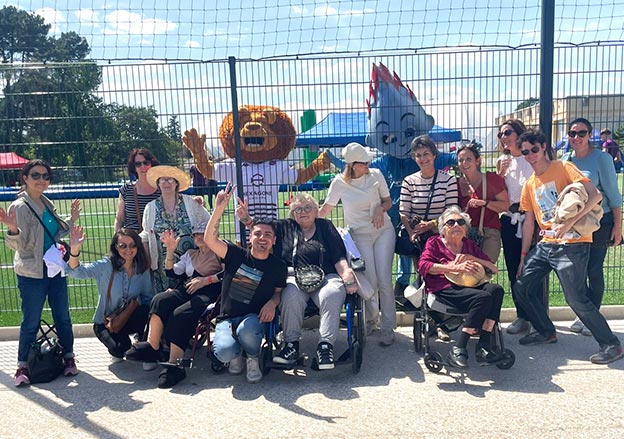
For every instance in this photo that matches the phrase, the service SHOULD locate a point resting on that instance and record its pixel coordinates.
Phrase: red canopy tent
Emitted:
(10, 160)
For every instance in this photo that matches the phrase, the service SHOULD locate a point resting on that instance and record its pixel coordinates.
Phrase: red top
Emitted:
(436, 252)
(495, 185)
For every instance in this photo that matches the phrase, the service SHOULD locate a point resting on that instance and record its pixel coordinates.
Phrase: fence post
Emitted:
(546, 89)
(237, 140)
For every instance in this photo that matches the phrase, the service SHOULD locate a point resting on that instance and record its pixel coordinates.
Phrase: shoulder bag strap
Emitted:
(136, 206)
(484, 197)
(108, 290)
(433, 182)
(40, 220)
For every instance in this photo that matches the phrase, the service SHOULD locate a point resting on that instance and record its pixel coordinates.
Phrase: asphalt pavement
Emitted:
(552, 391)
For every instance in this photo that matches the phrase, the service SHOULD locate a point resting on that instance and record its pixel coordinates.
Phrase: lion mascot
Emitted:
(267, 137)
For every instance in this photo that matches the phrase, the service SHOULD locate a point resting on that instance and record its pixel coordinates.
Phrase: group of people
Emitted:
(167, 257)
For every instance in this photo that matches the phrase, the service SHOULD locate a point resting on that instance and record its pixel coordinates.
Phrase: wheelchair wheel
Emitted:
(215, 364)
(509, 358)
(433, 362)
(356, 356)
(419, 328)
(265, 358)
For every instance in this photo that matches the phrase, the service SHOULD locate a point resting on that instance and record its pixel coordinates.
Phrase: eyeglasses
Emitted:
(142, 163)
(37, 176)
(505, 133)
(452, 222)
(166, 180)
(581, 134)
(307, 209)
(534, 150)
(123, 245)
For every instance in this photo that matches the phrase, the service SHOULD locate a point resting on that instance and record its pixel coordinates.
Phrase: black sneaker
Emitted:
(170, 376)
(537, 338)
(143, 351)
(289, 353)
(607, 354)
(325, 355)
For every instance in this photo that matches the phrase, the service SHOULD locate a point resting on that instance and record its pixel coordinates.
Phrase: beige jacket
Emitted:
(570, 202)
(28, 242)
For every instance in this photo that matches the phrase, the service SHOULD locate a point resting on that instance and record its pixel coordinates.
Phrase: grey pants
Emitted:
(329, 298)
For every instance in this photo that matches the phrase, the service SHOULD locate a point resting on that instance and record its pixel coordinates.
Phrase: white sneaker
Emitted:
(114, 359)
(577, 326)
(586, 331)
(149, 366)
(387, 337)
(518, 326)
(254, 375)
(236, 366)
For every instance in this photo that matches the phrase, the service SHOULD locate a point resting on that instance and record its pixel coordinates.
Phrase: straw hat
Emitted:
(159, 171)
(469, 279)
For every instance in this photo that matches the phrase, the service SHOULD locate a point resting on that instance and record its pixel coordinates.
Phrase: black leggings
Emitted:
(179, 311)
(117, 344)
(482, 302)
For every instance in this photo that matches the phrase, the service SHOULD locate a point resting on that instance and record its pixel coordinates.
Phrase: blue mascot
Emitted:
(395, 118)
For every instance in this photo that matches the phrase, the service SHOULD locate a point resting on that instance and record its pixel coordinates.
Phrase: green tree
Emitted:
(527, 103)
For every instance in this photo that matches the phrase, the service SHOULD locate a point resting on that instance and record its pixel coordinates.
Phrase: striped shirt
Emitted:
(415, 195)
(130, 215)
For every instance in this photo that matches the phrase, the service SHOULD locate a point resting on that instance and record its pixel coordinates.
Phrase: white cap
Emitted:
(354, 152)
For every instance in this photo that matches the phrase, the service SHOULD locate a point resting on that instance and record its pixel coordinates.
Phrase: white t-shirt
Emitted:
(359, 198)
(517, 174)
(261, 182)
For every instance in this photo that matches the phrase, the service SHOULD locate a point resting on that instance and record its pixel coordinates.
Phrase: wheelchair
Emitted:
(354, 321)
(453, 319)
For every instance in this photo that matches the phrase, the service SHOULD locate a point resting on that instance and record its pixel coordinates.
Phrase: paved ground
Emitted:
(551, 392)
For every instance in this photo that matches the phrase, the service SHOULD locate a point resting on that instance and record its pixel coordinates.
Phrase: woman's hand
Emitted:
(378, 217)
(242, 211)
(420, 228)
(476, 202)
(9, 220)
(348, 278)
(76, 238)
(75, 211)
(193, 285)
(169, 241)
(616, 234)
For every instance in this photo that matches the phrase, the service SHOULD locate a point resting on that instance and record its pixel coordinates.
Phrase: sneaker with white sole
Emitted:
(70, 367)
(114, 359)
(607, 354)
(236, 365)
(387, 337)
(577, 326)
(518, 326)
(21, 377)
(585, 331)
(254, 375)
(289, 353)
(325, 355)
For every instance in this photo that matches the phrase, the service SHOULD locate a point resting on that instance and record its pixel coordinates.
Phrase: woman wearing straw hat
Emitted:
(172, 211)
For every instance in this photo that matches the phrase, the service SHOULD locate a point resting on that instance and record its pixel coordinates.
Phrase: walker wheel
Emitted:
(433, 362)
(508, 360)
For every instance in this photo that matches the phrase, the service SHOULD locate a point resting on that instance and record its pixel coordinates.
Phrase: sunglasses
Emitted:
(574, 134)
(123, 245)
(307, 209)
(37, 176)
(452, 222)
(167, 180)
(142, 163)
(505, 133)
(534, 150)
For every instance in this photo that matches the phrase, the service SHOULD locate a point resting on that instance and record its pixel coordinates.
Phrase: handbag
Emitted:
(116, 320)
(404, 245)
(62, 245)
(476, 233)
(45, 357)
(310, 277)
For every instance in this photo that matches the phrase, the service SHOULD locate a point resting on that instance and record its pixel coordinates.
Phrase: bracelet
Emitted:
(169, 259)
(73, 255)
(486, 203)
(349, 283)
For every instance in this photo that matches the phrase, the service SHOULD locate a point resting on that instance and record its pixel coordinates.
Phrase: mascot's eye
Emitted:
(410, 132)
(387, 139)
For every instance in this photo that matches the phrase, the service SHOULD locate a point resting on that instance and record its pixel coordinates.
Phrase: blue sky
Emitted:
(462, 86)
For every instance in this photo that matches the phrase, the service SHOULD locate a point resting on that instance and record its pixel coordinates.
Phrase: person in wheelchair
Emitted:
(174, 312)
(451, 255)
(307, 243)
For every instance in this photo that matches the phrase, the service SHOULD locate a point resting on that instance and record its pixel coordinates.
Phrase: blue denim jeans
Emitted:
(33, 293)
(238, 333)
(570, 264)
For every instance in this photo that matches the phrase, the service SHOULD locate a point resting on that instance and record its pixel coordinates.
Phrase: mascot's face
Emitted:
(395, 117)
(266, 133)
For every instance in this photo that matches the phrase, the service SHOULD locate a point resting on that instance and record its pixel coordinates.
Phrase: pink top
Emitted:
(436, 252)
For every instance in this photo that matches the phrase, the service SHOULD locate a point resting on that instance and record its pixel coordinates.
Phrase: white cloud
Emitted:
(297, 10)
(54, 18)
(192, 44)
(357, 12)
(123, 22)
(87, 17)
(325, 11)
